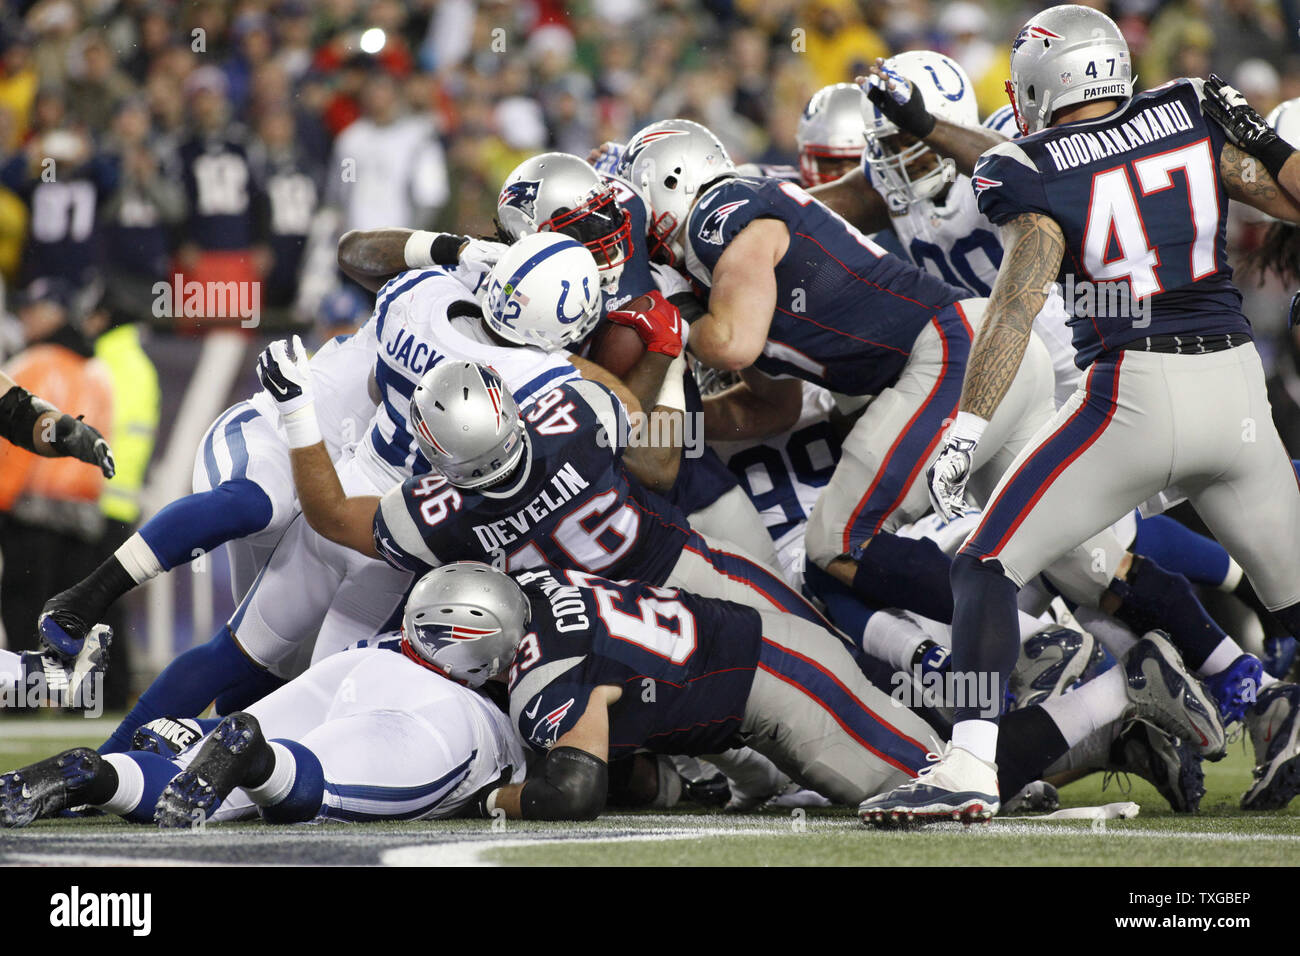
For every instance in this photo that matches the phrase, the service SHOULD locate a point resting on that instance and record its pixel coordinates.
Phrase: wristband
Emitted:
(1275, 155)
(968, 427)
(446, 248)
(490, 805)
(672, 393)
(300, 427)
(419, 249)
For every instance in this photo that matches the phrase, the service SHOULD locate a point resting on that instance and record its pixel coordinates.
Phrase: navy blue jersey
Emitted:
(1138, 197)
(685, 663)
(64, 215)
(702, 478)
(573, 504)
(636, 278)
(227, 207)
(847, 312)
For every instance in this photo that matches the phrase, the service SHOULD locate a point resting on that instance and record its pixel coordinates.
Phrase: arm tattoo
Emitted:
(1034, 245)
(1247, 180)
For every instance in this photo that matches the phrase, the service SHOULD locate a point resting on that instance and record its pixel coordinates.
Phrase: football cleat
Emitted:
(1236, 687)
(1037, 796)
(45, 788)
(232, 755)
(1275, 733)
(74, 683)
(1162, 690)
(1051, 662)
(1169, 764)
(1279, 655)
(166, 736)
(956, 786)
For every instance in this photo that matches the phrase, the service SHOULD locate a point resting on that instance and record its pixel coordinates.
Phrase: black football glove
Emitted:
(477, 805)
(897, 98)
(76, 439)
(1243, 125)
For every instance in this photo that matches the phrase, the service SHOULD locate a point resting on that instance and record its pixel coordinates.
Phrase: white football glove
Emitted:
(606, 157)
(482, 254)
(286, 376)
(946, 478)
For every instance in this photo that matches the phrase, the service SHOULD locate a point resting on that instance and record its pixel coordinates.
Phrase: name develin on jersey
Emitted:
(1148, 126)
(566, 483)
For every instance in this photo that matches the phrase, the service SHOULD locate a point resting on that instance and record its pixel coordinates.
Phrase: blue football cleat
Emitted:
(166, 736)
(1279, 655)
(1236, 687)
(45, 788)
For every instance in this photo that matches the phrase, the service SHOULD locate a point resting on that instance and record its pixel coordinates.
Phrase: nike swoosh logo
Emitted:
(276, 388)
(530, 714)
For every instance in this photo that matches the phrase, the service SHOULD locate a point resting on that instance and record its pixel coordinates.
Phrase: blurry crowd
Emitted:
(236, 140)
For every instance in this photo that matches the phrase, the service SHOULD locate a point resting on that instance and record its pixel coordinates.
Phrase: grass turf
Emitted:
(1220, 834)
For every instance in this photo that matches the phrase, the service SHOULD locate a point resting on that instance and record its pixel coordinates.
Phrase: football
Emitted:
(616, 347)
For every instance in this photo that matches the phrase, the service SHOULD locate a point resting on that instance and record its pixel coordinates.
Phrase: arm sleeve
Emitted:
(397, 534)
(1007, 184)
(609, 411)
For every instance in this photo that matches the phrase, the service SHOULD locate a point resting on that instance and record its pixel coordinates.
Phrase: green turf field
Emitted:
(1219, 835)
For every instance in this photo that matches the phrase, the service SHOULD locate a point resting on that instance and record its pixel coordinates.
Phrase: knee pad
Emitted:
(1150, 595)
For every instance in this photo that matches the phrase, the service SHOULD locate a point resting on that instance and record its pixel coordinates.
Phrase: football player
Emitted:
(609, 668)
(549, 486)
(1085, 178)
(558, 192)
(403, 728)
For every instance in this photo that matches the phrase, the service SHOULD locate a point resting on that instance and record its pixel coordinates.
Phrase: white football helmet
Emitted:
(947, 93)
(830, 129)
(1066, 55)
(558, 192)
(544, 291)
(467, 423)
(1285, 118)
(465, 620)
(670, 163)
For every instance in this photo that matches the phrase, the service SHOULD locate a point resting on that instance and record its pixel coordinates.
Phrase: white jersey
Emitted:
(785, 475)
(956, 242)
(414, 327)
(394, 739)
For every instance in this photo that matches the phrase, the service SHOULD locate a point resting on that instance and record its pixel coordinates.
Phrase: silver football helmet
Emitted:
(558, 192)
(1285, 118)
(465, 620)
(903, 172)
(830, 134)
(670, 163)
(467, 423)
(1066, 55)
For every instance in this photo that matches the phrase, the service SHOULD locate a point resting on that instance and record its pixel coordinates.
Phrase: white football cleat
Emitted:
(956, 786)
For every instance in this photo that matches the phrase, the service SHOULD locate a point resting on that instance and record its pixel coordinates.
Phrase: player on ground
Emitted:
(1165, 397)
(400, 729)
(609, 668)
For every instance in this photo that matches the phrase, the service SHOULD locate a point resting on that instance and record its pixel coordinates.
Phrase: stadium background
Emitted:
(236, 141)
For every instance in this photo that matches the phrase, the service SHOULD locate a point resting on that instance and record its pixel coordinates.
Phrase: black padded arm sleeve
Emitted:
(572, 786)
(19, 411)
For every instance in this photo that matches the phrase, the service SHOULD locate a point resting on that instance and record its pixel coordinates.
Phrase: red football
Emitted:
(616, 347)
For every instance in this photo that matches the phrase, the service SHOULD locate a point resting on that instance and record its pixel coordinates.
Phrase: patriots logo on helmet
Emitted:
(1036, 33)
(425, 432)
(492, 383)
(521, 194)
(439, 631)
(634, 148)
(711, 228)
